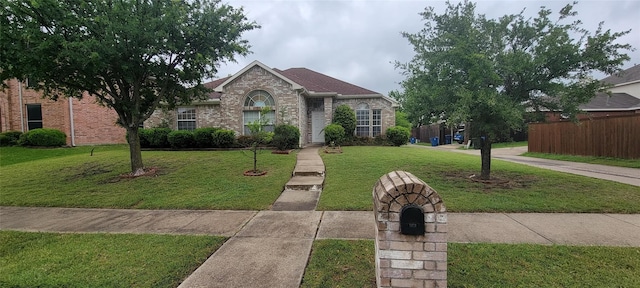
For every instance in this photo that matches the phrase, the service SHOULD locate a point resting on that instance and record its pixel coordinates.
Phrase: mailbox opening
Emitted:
(412, 220)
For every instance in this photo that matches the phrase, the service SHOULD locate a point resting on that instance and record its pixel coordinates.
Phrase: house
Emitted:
(623, 97)
(297, 96)
(83, 121)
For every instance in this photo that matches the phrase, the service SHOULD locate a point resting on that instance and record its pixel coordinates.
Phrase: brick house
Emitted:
(83, 121)
(297, 96)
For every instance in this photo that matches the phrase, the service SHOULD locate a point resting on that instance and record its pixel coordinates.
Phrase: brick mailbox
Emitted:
(411, 232)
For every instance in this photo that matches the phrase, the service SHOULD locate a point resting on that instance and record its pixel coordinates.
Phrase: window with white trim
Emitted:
(34, 116)
(362, 120)
(187, 118)
(376, 123)
(254, 106)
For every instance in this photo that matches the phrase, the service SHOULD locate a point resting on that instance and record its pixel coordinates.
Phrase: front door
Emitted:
(317, 126)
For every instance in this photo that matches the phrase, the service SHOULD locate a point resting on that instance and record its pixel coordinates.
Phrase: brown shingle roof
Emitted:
(318, 82)
(213, 84)
(629, 75)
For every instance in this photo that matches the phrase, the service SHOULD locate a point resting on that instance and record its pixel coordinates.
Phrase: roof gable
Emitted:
(220, 87)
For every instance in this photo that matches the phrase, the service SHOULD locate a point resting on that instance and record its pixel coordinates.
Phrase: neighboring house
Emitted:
(297, 96)
(623, 97)
(83, 121)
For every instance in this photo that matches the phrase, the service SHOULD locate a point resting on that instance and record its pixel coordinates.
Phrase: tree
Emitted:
(490, 72)
(131, 55)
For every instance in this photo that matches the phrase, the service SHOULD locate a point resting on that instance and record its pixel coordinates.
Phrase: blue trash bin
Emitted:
(447, 139)
(413, 140)
(435, 141)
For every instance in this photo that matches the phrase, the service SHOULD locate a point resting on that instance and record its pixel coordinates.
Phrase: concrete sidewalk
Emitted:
(537, 228)
(629, 176)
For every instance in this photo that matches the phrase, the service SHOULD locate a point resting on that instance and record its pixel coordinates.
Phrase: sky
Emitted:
(358, 41)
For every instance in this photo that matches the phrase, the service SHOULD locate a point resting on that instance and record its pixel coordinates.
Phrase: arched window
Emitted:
(254, 110)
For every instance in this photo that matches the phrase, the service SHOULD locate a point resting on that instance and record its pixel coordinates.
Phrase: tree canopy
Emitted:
(132, 55)
(492, 72)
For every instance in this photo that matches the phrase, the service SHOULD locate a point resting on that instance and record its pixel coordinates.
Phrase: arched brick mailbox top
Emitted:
(398, 189)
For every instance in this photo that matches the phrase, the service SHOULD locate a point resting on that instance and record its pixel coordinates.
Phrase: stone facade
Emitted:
(409, 260)
(92, 124)
(294, 105)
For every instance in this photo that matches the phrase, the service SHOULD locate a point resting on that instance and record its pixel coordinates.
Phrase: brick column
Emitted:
(409, 260)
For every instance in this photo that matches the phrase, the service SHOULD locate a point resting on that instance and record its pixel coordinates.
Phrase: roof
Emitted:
(300, 78)
(617, 101)
(318, 82)
(629, 75)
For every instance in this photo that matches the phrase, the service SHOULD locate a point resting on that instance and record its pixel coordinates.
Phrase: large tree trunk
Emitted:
(137, 169)
(485, 155)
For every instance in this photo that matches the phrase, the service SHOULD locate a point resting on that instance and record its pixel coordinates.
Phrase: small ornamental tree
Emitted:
(345, 117)
(258, 135)
(131, 55)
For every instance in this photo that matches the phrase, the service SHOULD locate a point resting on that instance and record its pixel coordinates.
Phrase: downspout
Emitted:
(73, 130)
(21, 108)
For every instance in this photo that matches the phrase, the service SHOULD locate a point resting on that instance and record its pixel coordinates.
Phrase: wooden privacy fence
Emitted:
(617, 137)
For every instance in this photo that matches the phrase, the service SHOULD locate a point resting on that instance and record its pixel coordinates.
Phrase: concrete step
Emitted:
(305, 183)
(297, 200)
(308, 170)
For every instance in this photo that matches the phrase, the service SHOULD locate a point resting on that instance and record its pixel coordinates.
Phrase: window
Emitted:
(34, 116)
(377, 122)
(362, 120)
(253, 107)
(368, 122)
(187, 118)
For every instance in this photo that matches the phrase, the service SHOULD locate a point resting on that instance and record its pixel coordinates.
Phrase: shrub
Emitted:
(43, 137)
(158, 137)
(204, 136)
(286, 137)
(345, 117)
(10, 138)
(143, 136)
(398, 135)
(181, 139)
(223, 138)
(245, 140)
(333, 133)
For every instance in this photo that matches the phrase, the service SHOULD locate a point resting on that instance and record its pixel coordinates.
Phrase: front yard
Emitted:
(71, 177)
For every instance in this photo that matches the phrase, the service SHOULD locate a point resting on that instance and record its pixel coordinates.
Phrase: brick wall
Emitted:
(409, 260)
(388, 112)
(93, 124)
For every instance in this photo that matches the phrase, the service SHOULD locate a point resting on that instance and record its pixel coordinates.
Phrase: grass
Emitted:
(528, 189)
(509, 144)
(100, 260)
(185, 180)
(629, 163)
(341, 263)
(13, 155)
(486, 265)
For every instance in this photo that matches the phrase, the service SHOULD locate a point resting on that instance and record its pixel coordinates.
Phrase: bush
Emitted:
(333, 133)
(181, 139)
(398, 135)
(223, 138)
(245, 140)
(204, 136)
(286, 137)
(345, 117)
(10, 138)
(157, 137)
(143, 136)
(43, 137)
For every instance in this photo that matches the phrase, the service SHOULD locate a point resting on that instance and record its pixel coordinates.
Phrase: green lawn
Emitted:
(185, 180)
(528, 189)
(100, 260)
(344, 263)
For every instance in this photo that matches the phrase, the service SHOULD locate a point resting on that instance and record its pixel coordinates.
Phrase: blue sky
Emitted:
(358, 41)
